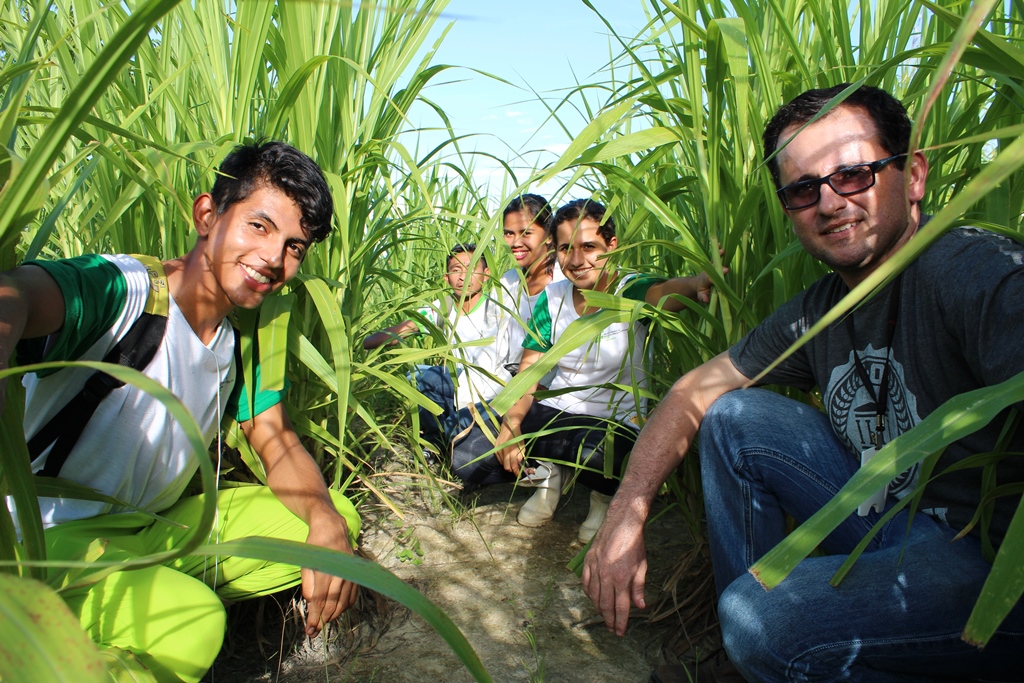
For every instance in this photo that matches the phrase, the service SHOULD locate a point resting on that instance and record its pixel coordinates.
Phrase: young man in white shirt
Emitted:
(268, 205)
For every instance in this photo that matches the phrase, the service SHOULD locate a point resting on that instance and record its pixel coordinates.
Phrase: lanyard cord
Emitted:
(881, 399)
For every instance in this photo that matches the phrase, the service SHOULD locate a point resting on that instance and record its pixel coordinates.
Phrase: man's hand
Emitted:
(702, 284)
(615, 568)
(510, 455)
(697, 287)
(326, 596)
(297, 482)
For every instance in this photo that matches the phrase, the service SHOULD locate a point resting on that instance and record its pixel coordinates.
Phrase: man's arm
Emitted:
(391, 335)
(512, 455)
(697, 288)
(31, 305)
(616, 565)
(298, 483)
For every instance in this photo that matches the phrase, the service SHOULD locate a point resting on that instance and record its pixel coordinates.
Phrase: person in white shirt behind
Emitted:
(593, 418)
(468, 315)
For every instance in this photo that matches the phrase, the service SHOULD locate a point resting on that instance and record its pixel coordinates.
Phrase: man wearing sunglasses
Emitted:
(951, 323)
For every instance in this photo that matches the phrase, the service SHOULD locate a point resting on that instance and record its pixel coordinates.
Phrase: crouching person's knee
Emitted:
(750, 634)
(474, 462)
(173, 623)
(780, 635)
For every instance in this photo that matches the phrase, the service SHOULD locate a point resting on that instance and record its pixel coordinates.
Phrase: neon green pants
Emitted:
(172, 617)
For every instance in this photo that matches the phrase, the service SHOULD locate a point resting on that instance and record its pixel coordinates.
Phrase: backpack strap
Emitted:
(240, 370)
(134, 350)
(158, 301)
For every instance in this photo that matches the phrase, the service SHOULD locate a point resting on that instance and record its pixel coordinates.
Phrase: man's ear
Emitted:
(917, 174)
(204, 214)
(613, 242)
(785, 211)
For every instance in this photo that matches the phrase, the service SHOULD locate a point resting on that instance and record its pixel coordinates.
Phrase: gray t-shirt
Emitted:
(960, 326)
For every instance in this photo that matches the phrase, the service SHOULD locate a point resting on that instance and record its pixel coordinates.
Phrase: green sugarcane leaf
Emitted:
(625, 145)
(337, 334)
(177, 411)
(9, 116)
(303, 349)
(593, 132)
(1003, 587)
(51, 487)
(18, 479)
(16, 199)
(289, 93)
(578, 333)
(43, 234)
(10, 73)
(402, 386)
(954, 419)
(40, 639)
(234, 437)
(248, 55)
(275, 312)
(733, 37)
(246, 321)
(9, 541)
(1003, 51)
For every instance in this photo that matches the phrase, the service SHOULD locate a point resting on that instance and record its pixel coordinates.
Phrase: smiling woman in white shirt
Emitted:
(526, 227)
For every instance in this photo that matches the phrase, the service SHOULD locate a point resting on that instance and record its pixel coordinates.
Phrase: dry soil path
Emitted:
(508, 590)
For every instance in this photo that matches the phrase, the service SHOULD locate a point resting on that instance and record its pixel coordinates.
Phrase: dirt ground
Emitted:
(506, 587)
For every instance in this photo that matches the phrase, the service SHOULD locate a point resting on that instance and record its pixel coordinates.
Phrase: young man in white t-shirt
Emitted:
(475, 323)
(269, 204)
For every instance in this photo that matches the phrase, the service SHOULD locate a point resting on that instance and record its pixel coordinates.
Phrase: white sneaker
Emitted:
(539, 510)
(542, 472)
(598, 509)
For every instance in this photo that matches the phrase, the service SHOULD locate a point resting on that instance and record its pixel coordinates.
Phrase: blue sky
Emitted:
(547, 46)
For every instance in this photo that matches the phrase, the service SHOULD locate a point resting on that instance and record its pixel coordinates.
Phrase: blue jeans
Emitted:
(891, 619)
(435, 382)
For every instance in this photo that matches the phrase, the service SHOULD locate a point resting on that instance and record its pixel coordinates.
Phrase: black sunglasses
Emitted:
(844, 182)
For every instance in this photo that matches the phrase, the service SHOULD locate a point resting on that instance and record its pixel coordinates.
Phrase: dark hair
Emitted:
(464, 248)
(535, 206)
(252, 165)
(575, 211)
(889, 116)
